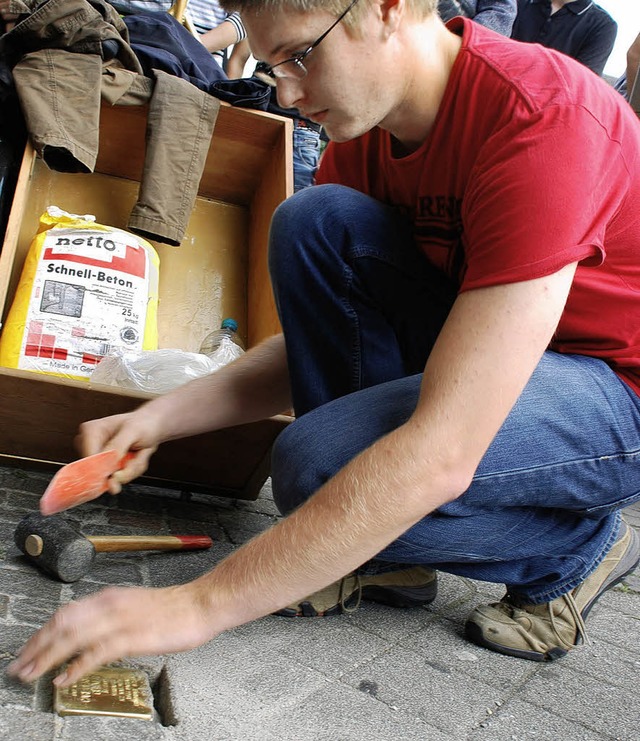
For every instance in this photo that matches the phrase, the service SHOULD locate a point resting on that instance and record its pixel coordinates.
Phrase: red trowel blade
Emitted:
(80, 481)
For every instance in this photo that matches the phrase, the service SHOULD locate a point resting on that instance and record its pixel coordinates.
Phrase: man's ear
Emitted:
(392, 11)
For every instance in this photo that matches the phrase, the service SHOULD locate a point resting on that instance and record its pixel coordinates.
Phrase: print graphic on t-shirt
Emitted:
(438, 224)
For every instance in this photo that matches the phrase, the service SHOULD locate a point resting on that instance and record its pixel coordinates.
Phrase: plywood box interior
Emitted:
(219, 270)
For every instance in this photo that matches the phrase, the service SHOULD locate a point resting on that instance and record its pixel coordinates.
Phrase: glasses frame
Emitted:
(298, 59)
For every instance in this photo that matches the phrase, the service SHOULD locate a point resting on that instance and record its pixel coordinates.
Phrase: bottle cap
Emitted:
(230, 324)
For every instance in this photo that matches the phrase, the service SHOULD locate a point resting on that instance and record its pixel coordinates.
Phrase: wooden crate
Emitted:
(219, 270)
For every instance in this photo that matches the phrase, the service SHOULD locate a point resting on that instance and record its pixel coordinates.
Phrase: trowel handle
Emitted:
(113, 543)
(126, 458)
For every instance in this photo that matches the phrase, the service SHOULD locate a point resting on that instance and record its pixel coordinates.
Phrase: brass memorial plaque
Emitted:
(118, 691)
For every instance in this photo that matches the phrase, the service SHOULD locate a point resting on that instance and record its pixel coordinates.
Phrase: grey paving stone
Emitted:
(28, 499)
(152, 492)
(391, 623)
(84, 588)
(336, 712)
(407, 681)
(21, 725)
(13, 512)
(632, 515)
(19, 479)
(606, 661)
(141, 499)
(380, 673)
(578, 698)
(33, 610)
(443, 645)
(632, 581)
(454, 593)
(89, 528)
(236, 683)
(242, 526)
(15, 560)
(165, 569)
(332, 646)
(519, 721)
(12, 692)
(33, 583)
(626, 602)
(88, 519)
(267, 490)
(13, 637)
(113, 728)
(613, 627)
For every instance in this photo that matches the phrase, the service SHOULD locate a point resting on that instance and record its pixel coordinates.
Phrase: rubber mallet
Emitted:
(55, 547)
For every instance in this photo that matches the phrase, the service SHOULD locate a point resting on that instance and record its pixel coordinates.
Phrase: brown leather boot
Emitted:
(413, 586)
(548, 631)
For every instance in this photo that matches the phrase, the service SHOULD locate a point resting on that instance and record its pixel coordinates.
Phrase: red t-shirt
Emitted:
(533, 162)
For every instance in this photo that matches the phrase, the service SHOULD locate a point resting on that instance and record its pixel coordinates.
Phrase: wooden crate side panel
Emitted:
(45, 415)
(8, 279)
(275, 187)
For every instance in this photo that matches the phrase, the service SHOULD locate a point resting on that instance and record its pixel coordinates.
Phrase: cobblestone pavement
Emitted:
(377, 674)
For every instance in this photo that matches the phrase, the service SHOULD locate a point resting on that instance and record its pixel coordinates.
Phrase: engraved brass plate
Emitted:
(118, 691)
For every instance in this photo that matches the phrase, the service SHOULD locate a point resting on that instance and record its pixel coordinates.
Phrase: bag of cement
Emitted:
(85, 290)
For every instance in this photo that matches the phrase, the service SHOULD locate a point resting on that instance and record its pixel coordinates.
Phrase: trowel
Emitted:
(81, 481)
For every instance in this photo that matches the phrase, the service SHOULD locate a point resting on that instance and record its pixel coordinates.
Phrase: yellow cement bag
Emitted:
(85, 290)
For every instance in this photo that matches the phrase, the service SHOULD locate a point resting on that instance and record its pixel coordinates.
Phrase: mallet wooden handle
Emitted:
(112, 543)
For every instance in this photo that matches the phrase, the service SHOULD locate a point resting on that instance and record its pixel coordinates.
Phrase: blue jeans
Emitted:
(360, 307)
(306, 153)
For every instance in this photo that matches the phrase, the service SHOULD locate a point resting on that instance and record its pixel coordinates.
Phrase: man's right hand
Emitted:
(136, 432)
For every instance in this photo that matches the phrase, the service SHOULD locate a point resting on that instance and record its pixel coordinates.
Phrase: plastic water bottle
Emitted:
(220, 338)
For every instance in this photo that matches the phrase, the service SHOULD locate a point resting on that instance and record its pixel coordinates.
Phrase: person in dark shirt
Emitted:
(581, 29)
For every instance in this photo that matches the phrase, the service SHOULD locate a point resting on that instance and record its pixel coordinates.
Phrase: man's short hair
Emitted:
(419, 8)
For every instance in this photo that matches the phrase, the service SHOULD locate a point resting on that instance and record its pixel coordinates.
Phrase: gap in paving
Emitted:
(43, 700)
(163, 700)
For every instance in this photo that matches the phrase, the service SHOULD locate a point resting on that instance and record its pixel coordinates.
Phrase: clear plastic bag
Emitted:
(159, 371)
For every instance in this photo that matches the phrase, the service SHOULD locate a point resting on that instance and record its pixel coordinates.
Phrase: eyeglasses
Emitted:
(294, 66)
